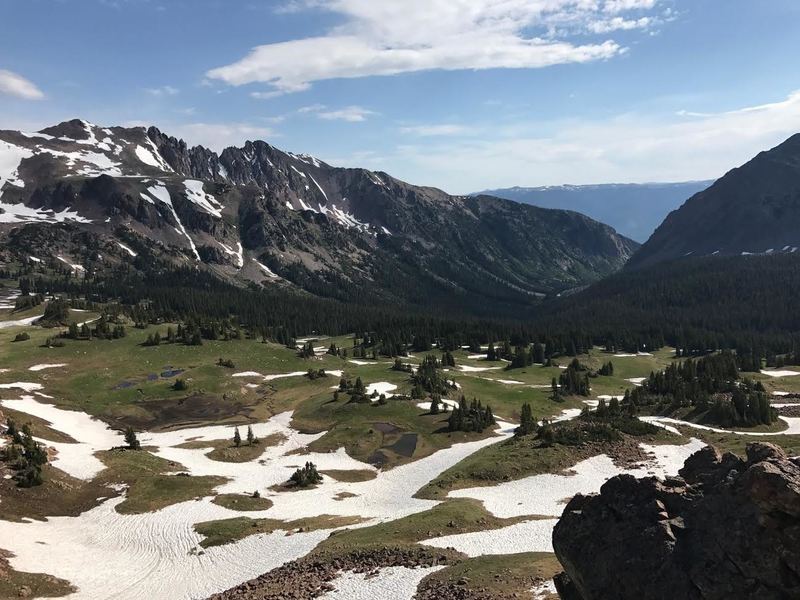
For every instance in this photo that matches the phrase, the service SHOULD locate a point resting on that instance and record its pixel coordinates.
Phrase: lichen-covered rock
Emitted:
(728, 528)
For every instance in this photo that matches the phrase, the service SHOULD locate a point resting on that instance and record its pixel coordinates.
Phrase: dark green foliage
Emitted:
(306, 476)
(251, 438)
(435, 404)
(711, 388)
(694, 304)
(22, 337)
(607, 370)
(56, 312)
(307, 350)
(227, 363)
(180, 385)
(24, 455)
(131, 440)
(470, 417)
(574, 381)
(237, 437)
(313, 374)
(448, 360)
(429, 378)
(399, 365)
(527, 423)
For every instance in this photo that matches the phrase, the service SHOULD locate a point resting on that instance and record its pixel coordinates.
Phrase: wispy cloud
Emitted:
(351, 114)
(165, 90)
(12, 84)
(442, 129)
(627, 148)
(395, 36)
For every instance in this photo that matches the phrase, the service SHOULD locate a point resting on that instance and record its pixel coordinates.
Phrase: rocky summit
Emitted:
(726, 528)
(96, 198)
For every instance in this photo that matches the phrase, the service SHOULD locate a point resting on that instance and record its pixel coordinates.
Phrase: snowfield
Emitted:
(156, 554)
(785, 373)
(545, 495)
(390, 583)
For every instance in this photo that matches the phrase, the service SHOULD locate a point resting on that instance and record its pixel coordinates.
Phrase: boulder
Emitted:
(727, 528)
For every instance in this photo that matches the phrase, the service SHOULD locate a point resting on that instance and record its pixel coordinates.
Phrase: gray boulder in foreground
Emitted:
(726, 528)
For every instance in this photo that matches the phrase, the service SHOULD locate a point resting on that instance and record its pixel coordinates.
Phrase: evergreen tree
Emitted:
(131, 440)
(237, 438)
(527, 424)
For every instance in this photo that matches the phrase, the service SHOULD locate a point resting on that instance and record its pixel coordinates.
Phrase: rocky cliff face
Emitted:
(727, 528)
(258, 214)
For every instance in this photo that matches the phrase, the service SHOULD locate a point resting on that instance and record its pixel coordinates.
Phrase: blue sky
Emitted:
(460, 94)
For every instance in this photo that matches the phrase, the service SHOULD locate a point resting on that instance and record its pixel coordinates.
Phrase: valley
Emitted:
(402, 497)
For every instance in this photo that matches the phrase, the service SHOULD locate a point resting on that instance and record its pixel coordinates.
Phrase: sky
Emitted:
(464, 95)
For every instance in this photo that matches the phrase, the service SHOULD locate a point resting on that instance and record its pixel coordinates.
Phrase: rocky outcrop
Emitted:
(727, 528)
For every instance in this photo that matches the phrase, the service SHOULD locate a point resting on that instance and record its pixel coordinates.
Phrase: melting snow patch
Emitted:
(18, 322)
(197, 195)
(529, 536)
(266, 270)
(793, 426)
(127, 249)
(546, 494)
(160, 192)
(381, 387)
(144, 155)
(390, 582)
(44, 366)
(779, 373)
(238, 254)
(11, 157)
(470, 369)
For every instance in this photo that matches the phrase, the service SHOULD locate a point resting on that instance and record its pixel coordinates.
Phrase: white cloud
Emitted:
(401, 36)
(351, 114)
(12, 84)
(619, 24)
(443, 129)
(626, 149)
(166, 90)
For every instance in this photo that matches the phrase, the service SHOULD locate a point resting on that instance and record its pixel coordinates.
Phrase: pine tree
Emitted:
(237, 438)
(131, 440)
(527, 424)
(251, 439)
(435, 404)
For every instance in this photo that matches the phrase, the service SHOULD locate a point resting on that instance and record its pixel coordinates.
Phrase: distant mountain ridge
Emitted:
(753, 209)
(97, 198)
(634, 210)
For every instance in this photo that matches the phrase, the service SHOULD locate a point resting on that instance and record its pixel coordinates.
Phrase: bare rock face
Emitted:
(727, 528)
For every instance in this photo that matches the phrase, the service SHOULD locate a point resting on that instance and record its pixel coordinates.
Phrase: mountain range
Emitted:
(753, 209)
(94, 199)
(635, 210)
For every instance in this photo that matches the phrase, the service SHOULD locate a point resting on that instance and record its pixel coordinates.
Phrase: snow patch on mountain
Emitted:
(160, 192)
(319, 187)
(267, 270)
(196, 193)
(19, 213)
(238, 253)
(299, 172)
(11, 157)
(144, 155)
(127, 249)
